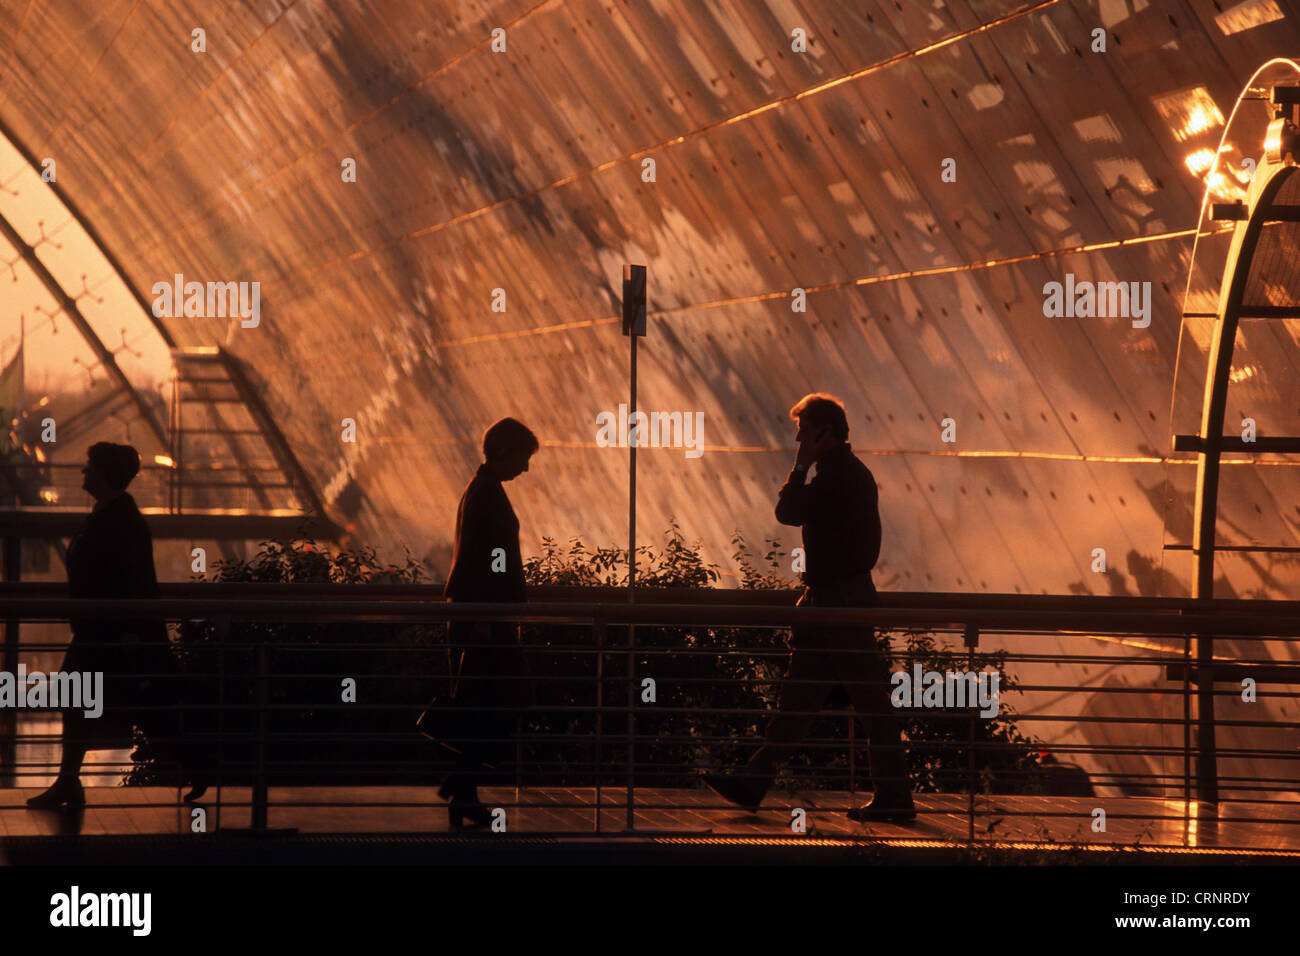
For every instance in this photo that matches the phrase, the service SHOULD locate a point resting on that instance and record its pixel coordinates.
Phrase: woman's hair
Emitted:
(820, 408)
(116, 464)
(506, 436)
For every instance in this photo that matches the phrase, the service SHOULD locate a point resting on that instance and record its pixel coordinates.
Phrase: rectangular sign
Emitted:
(634, 282)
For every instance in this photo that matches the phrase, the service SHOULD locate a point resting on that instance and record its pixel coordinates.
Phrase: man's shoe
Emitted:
(896, 808)
(61, 794)
(197, 789)
(736, 789)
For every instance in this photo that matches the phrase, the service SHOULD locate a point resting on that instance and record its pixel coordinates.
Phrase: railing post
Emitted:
(1207, 755)
(223, 635)
(631, 726)
(13, 565)
(853, 746)
(1187, 740)
(259, 801)
(972, 639)
(598, 633)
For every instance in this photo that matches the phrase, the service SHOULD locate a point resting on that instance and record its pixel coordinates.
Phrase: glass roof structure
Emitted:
(437, 216)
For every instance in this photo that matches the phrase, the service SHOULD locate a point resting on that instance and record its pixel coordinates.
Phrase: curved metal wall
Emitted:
(522, 171)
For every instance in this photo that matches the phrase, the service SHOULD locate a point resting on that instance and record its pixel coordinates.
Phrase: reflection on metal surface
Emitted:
(520, 171)
(1248, 15)
(1189, 112)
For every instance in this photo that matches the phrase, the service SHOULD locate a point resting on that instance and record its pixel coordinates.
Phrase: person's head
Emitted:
(821, 418)
(507, 446)
(109, 469)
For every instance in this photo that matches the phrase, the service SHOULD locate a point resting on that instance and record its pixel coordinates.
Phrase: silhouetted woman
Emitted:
(110, 557)
(486, 566)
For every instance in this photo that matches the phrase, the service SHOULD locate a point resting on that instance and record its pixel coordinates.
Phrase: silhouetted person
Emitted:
(839, 515)
(110, 557)
(487, 567)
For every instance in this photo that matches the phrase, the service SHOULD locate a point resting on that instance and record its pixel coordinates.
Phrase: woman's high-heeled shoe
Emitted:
(197, 789)
(459, 811)
(62, 793)
(463, 804)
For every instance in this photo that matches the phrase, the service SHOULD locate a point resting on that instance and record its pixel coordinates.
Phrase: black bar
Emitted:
(1230, 673)
(998, 620)
(13, 561)
(1235, 443)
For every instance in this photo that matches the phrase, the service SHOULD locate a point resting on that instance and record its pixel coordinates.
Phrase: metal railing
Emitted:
(269, 660)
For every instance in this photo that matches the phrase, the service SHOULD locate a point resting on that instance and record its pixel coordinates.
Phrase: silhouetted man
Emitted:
(111, 557)
(487, 567)
(838, 513)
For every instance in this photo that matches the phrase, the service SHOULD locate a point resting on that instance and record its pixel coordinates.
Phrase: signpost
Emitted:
(634, 326)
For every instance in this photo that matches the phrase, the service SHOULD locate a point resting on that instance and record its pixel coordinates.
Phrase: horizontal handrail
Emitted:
(578, 594)
(319, 609)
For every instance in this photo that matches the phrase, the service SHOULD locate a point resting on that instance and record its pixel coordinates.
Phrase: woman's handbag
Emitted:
(446, 720)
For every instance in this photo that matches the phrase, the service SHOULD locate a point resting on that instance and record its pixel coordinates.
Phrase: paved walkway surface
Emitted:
(571, 814)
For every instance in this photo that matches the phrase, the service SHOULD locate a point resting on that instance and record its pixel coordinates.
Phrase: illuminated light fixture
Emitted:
(1230, 211)
(1190, 112)
(50, 495)
(1280, 144)
(1241, 174)
(164, 460)
(1282, 141)
(1220, 185)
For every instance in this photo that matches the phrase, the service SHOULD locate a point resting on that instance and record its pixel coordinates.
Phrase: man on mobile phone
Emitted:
(839, 515)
